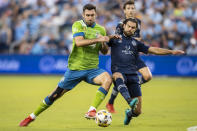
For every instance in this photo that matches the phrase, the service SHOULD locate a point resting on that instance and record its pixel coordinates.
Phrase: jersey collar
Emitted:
(93, 25)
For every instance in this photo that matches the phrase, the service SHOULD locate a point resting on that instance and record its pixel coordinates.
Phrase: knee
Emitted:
(54, 97)
(56, 94)
(117, 75)
(106, 82)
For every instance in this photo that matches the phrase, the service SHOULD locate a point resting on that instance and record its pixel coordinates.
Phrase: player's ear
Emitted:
(135, 28)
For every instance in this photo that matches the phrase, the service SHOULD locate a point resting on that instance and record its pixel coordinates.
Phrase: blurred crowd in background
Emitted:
(44, 26)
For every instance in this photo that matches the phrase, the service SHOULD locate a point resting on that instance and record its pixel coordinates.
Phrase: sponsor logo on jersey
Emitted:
(127, 50)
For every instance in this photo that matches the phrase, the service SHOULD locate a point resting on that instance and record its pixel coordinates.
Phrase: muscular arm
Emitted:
(79, 36)
(161, 51)
(80, 41)
(104, 49)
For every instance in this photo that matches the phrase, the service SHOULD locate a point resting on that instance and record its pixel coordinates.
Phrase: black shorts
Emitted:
(132, 83)
(140, 63)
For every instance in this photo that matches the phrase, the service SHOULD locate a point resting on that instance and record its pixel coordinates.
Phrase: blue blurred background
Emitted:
(36, 37)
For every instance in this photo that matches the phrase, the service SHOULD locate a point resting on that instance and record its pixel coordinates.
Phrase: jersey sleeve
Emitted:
(119, 28)
(77, 29)
(141, 47)
(110, 42)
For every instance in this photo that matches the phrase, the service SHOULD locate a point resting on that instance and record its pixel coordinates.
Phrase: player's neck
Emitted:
(127, 17)
(90, 25)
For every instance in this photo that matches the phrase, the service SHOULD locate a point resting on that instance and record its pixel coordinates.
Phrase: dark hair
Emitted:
(89, 7)
(130, 2)
(132, 20)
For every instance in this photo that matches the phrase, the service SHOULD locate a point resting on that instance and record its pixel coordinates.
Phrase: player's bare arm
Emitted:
(80, 41)
(115, 36)
(104, 49)
(161, 51)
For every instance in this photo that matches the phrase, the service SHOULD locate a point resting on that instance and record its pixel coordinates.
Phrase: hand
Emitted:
(115, 37)
(103, 38)
(178, 52)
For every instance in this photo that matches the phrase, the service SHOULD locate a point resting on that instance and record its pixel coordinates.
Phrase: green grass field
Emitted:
(169, 104)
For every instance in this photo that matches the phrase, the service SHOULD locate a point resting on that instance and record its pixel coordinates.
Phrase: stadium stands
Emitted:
(44, 26)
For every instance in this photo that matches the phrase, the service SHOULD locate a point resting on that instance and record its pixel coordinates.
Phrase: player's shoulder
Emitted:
(134, 39)
(138, 20)
(119, 27)
(120, 22)
(79, 23)
(100, 27)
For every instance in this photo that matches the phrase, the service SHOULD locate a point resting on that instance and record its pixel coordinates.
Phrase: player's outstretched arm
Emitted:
(115, 36)
(162, 51)
(80, 41)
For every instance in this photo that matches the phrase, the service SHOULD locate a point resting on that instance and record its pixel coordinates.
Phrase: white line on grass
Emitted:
(193, 128)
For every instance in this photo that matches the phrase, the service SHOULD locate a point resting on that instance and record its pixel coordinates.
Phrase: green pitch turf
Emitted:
(169, 104)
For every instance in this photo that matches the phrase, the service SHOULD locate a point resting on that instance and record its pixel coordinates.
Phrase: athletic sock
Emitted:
(122, 88)
(100, 95)
(91, 108)
(142, 80)
(113, 95)
(32, 115)
(43, 106)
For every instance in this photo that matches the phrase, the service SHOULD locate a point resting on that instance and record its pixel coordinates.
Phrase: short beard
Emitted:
(128, 35)
(90, 24)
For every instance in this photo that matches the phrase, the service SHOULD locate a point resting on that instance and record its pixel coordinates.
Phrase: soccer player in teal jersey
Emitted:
(88, 39)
